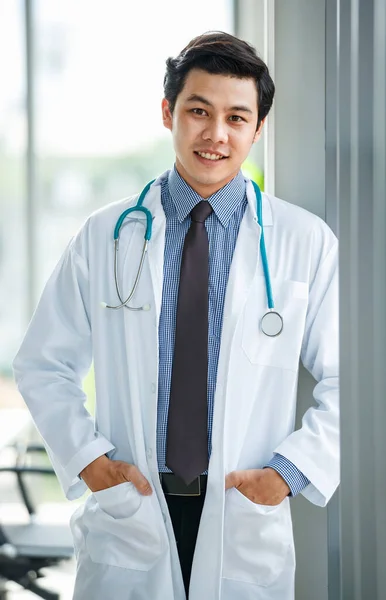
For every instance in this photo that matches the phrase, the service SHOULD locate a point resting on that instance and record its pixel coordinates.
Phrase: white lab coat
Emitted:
(124, 542)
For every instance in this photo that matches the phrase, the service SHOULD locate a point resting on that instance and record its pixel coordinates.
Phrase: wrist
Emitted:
(92, 468)
(277, 477)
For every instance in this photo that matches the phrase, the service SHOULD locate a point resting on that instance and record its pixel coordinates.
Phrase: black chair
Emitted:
(25, 549)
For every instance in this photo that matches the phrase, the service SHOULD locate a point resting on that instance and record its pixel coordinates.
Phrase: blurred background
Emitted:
(80, 126)
(96, 88)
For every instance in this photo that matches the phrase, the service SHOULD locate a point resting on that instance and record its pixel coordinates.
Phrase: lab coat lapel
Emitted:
(243, 269)
(141, 328)
(157, 244)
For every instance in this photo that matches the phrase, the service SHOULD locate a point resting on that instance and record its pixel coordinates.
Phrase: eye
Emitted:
(198, 111)
(236, 119)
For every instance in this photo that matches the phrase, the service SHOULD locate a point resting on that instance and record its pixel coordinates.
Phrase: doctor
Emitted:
(192, 458)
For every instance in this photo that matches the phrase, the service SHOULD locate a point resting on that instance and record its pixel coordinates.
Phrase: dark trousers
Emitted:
(185, 513)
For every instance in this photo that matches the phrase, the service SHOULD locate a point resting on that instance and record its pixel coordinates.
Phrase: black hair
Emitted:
(220, 53)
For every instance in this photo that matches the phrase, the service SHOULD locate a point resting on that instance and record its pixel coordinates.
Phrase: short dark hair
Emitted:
(220, 53)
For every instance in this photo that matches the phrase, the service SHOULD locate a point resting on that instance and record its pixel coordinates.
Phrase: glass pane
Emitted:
(98, 77)
(99, 74)
(13, 282)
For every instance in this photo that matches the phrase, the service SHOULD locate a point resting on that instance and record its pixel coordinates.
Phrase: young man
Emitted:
(193, 454)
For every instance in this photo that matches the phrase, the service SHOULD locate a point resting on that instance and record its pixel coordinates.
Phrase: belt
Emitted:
(175, 486)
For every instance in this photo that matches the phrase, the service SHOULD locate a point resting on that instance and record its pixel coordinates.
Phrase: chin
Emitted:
(206, 177)
(210, 178)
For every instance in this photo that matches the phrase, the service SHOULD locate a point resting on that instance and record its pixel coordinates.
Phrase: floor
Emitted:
(60, 580)
(52, 507)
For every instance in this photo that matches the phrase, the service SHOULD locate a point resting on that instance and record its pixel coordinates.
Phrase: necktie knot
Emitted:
(201, 211)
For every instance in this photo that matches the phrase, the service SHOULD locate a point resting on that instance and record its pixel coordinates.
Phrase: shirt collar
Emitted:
(224, 202)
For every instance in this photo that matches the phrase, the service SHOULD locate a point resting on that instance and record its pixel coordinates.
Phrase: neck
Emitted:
(205, 190)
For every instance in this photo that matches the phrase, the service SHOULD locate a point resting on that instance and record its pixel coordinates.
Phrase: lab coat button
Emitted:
(153, 387)
(149, 453)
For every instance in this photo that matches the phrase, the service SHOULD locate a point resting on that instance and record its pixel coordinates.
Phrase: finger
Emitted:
(231, 480)
(133, 474)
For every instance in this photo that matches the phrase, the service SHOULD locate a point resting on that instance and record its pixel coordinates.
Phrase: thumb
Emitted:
(133, 474)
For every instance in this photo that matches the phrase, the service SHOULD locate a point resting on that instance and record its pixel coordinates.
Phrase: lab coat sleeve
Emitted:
(314, 448)
(53, 359)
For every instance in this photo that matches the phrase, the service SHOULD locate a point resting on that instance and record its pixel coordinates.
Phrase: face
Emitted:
(213, 127)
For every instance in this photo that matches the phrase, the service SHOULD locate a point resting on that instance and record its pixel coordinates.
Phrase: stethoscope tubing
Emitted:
(125, 302)
(147, 238)
(137, 207)
(148, 233)
(263, 250)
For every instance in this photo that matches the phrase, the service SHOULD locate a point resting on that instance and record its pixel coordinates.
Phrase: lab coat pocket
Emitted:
(122, 528)
(257, 539)
(291, 301)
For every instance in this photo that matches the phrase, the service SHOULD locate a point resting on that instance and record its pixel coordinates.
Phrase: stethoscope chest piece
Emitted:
(272, 324)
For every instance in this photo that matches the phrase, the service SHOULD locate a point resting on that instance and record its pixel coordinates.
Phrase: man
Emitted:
(193, 455)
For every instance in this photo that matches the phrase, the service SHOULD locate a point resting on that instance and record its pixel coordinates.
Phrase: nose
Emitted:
(216, 131)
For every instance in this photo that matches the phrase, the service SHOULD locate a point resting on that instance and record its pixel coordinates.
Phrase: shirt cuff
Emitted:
(294, 478)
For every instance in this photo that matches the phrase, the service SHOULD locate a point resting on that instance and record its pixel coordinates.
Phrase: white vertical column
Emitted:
(269, 127)
(254, 23)
(30, 210)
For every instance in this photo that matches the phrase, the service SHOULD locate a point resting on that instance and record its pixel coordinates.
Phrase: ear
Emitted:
(258, 132)
(167, 116)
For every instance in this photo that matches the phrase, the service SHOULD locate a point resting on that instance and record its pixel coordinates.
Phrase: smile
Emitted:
(210, 156)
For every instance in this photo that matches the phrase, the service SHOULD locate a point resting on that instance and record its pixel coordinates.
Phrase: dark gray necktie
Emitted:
(187, 433)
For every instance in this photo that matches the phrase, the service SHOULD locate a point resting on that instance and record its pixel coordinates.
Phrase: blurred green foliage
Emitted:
(251, 170)
(89, 390)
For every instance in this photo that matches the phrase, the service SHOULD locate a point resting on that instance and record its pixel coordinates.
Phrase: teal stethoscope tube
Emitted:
(137, 207)
(149, 225)
(263, 252)
(276, 322)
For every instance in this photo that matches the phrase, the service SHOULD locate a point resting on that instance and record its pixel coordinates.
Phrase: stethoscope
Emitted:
(271, 322)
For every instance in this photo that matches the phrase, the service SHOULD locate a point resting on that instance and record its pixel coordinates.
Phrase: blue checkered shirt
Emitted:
(222, 225)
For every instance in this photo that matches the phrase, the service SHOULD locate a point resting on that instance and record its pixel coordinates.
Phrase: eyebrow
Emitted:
(198, 98)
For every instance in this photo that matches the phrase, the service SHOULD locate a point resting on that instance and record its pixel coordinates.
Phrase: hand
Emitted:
(104, 473)
(261, 486)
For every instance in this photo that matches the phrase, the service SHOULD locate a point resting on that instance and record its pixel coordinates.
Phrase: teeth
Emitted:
(210, 156)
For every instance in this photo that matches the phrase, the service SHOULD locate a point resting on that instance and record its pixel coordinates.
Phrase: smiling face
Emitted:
(213, 127)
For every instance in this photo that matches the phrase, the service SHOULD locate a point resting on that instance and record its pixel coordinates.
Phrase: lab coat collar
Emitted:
(267, 209)
(153, 202)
